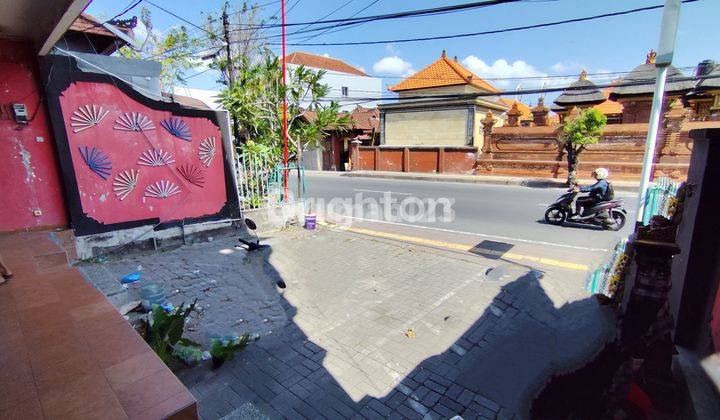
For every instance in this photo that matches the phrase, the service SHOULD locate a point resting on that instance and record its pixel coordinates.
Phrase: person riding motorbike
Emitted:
(599, 191)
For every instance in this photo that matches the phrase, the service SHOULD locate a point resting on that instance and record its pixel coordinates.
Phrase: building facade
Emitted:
(347, 83)
(440, 105)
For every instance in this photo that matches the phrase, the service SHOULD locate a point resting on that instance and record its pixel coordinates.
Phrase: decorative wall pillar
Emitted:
(382, 127)
(487, 126)
(355, 155)
(674, 119)
(514, 115)
(540, 113)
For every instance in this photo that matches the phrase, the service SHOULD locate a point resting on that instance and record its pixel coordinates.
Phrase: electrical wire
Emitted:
(491, 32)
(181, 18)
(125, 10)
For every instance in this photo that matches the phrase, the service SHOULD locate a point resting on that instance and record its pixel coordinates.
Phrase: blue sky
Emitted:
(606, 45)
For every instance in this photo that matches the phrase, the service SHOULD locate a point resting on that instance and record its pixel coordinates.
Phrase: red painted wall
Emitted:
(29, 174)
(124, 148)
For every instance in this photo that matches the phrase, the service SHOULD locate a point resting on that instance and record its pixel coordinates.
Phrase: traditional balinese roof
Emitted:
(712, 80)
(443, 72)
(609, 107)
(580, 92)
(91, 25)
(322, 62)
(641, 80)
(526, 111)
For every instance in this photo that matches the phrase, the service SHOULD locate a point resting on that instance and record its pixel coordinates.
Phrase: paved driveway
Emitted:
(374, 328)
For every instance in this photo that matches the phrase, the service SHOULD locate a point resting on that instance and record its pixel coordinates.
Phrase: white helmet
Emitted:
(601, 173)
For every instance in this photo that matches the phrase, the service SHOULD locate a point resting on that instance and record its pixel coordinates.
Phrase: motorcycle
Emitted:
(608, 215)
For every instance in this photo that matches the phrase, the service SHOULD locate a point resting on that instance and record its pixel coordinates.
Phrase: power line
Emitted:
(125, 10)
(497, 31)
(181, 18)
(372, 3)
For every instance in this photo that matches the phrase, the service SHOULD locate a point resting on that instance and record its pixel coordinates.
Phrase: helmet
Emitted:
(601, 173)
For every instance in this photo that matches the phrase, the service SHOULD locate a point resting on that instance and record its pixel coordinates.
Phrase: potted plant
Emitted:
(225, 348)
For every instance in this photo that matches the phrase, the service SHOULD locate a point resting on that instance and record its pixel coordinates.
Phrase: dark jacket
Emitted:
(598, 190)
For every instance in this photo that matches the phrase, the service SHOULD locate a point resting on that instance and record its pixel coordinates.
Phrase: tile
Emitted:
(87, 396)
(52, 372)
(133, 369)
(116, 343)
(29, 409)
(181, 406)
(92, 310)
(149, 392)
(17, 383)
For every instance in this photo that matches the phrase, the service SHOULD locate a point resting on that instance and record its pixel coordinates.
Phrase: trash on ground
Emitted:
(410, 333)
(152, 294)
(129, 307)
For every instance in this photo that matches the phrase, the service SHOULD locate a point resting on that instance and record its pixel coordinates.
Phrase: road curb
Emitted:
(475, 179)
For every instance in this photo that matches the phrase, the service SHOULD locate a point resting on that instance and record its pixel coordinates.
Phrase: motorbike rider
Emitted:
(599, 191)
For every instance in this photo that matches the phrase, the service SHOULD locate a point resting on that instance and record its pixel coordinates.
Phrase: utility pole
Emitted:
(284, 125)
(229, 61)
(666, 49)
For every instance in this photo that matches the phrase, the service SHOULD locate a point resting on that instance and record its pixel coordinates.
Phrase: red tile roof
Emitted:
(609, 107)
(443, 72)
(321, 62)
(89, 24)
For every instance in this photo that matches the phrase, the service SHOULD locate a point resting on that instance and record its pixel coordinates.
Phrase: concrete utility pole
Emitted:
(228, 57)
(666, 49)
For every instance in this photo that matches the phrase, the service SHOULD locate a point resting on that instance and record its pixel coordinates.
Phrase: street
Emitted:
(493, 220)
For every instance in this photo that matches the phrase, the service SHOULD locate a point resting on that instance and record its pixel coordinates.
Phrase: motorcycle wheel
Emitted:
(555, 216)
(617, 222)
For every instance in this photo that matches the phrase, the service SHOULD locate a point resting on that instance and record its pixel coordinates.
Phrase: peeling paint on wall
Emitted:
(29, 172)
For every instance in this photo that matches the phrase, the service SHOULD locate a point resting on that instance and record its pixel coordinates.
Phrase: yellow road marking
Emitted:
(465, 248)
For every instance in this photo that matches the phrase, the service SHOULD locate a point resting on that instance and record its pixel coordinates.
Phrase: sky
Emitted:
(615, 44)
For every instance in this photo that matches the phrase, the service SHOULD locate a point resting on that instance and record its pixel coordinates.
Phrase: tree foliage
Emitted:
(173, 49)
(256, 101)
(577, 133)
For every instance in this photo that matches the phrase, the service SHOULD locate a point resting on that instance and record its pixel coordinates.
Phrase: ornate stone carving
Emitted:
(540, 113)
(674, 119)
(514, 116)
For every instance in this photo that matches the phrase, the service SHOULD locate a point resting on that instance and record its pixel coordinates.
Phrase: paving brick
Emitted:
(444, 411)
(447, 402)
(465, 398)
(431, 399)
(420, 393)
(417, 406)
(381, 408)
(408, 412)
(435, 386)
(454, 391)
(492, 405)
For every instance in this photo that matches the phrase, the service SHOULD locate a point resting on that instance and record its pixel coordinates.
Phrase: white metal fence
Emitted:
(257, 183)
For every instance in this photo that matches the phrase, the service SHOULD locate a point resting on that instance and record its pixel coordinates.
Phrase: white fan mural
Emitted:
(207, 151)
(133, 121)
(87, 116)
(125, 182)
(155, 157)
(162, 189)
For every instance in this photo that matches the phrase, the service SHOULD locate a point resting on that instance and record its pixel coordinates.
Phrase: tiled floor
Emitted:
(65, 352)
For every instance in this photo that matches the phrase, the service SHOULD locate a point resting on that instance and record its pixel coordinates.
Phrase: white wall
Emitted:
(358, 87)
(205, 95)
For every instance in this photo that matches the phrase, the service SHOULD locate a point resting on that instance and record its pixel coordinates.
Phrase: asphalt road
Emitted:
(493, 219)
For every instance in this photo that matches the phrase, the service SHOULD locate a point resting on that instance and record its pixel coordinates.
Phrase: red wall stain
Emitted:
(29, 174)
(124, 149)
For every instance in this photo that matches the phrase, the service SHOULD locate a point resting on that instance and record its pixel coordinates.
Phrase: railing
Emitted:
(606, 279)
(260, 182)
(658, 199)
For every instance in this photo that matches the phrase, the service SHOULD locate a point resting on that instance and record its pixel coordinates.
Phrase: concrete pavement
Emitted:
(371, 327)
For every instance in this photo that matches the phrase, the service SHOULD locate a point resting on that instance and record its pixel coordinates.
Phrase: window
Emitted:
(344, 91)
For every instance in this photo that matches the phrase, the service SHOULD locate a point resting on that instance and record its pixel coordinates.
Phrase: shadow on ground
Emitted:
(494, 370)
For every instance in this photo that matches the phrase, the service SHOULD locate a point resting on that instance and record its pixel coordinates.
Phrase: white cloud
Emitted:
(393, 66)
(501, 69)
(326, 55)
